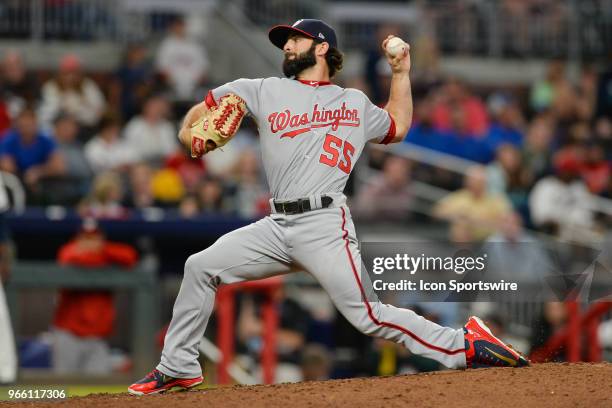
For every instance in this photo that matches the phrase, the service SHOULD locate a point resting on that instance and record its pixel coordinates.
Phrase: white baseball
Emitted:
(396, 46)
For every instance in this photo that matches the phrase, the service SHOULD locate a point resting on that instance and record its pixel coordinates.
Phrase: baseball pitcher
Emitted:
(311, 134)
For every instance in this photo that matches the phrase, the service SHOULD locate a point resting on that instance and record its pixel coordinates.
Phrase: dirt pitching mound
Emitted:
(543, 385)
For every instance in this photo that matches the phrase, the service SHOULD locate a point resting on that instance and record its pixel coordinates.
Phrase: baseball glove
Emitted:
(217, 126)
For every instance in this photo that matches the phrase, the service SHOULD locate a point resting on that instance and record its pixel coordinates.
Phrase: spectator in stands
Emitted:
(508, 121)
(604, 91)
(458, 123)
(65, 132)
(250, 195)
(18, 87)
(538, 145)
(603, 135)
(559, 203)
(188, 208)
(104, 200)
(182, 62)
(373, 55)
(422, 132)
(210, 196)
(150, 134)
(460, 232)
(473, 206)
(167, 187)
(75, 182)
(29, 153)
(578, 134)
(511, 230)
(586, 94)
(108, 150)
(73, 93)
(607, 192)
(425, 69)
(388, 196)
(595, 170)
(548, 92)
(5, 118)
(84, 319)
(140, 193)
(507, 175)
(133, 81)
(191, 170)
(455, 101)
(565, 107)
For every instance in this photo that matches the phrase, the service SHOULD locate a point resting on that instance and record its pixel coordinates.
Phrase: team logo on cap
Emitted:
(321, 36)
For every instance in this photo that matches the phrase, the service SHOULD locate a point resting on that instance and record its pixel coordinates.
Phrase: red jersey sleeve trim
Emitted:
(390, 133)
(210, 100)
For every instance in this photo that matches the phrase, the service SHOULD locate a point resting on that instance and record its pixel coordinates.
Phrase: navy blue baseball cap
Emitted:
(311, 28)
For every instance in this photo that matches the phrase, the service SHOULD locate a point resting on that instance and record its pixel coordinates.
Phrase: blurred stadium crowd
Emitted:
(73, 144)
(105, 144)
(542, 151)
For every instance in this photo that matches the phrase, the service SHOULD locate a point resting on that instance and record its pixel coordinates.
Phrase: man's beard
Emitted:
(293, 67)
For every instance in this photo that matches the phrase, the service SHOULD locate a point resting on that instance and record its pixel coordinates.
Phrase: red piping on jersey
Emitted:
(390, 133)
(210, 100)
(367, 303)
(314, 83)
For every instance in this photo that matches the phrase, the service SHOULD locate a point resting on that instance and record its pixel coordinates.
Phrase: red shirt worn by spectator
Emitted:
(90, 313)
(596, 176)
(5, 120)
(474, 114)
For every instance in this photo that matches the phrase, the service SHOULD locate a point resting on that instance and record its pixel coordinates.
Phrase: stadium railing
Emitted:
(430, 157)
(569, 29)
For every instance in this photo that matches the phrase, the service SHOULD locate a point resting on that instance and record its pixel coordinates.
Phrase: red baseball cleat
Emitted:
(483, 349)
(157, 382)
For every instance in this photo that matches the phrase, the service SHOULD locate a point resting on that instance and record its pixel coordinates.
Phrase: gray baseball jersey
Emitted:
(311, 134)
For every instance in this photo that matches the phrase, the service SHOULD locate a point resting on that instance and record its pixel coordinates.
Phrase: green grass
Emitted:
(77, 390)
(83, 390)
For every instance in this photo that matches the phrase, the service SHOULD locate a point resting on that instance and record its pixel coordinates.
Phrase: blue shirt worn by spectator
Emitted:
(26, 156)
(499, 134)
(467, 147)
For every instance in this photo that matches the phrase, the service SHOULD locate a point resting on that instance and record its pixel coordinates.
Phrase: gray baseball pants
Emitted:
(321, 242)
